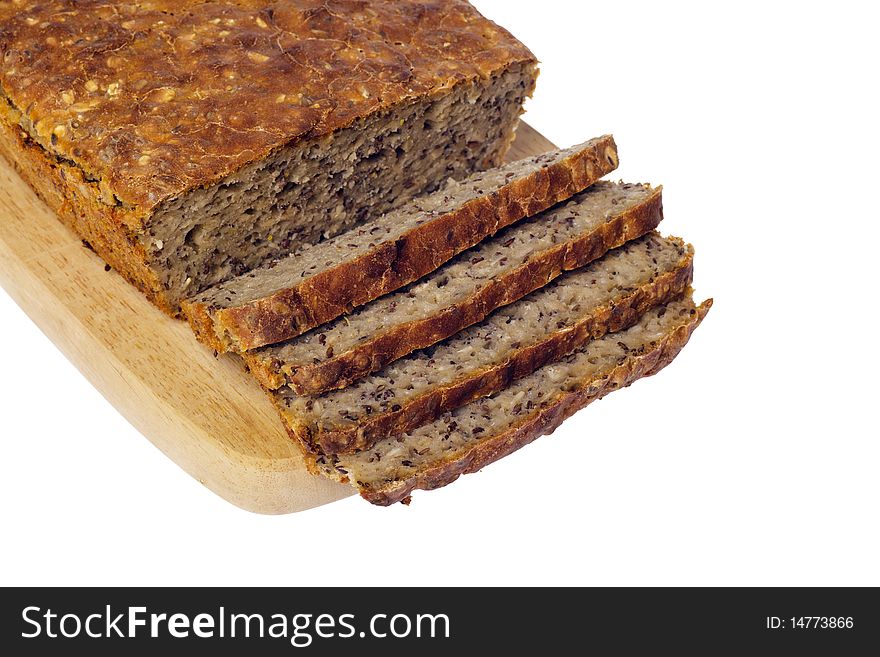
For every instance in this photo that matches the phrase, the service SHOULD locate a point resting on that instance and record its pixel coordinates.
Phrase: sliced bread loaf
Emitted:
(486, 430)
(464, 291)
(319, 283)
(608, 295)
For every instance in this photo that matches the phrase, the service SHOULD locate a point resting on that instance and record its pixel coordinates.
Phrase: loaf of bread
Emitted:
(319, 283)
(317, 185)
(189, 142)
(606, 296)
(492, 274)
(488, 429)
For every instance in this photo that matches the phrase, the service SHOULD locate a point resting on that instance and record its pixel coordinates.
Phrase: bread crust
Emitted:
(545, 421)
(374, 354)
(391, 265)
(173, 95)
(64, 188)
(426, 408)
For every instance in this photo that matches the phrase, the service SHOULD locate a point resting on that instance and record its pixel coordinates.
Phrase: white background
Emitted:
(753, 459)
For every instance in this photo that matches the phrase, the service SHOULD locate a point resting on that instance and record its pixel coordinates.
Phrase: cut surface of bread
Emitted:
(191, 141)
(319, 283)
(606, 296)
(464, 291)
(488, 429)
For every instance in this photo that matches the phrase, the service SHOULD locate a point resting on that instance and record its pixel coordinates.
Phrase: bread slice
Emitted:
(608, 295)
(317, 284)
(464, 291)
(486, 430)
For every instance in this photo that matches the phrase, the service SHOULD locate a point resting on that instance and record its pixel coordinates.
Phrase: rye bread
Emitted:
(606, 296)
(496, 272)
(191, 141)
(319, 283)
(486, 430)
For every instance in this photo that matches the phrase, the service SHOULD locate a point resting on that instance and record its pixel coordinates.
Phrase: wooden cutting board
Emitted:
(205, 413)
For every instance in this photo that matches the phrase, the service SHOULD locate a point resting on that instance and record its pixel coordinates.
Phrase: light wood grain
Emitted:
(205, 413)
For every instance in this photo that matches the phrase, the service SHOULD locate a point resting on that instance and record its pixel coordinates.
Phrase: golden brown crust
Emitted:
(426, 408)
(63, 188)
(391, 265)
(544, 421)
(153, 98)
(371, 356)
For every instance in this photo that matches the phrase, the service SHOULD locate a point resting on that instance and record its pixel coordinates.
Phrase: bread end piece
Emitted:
(546, 421)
